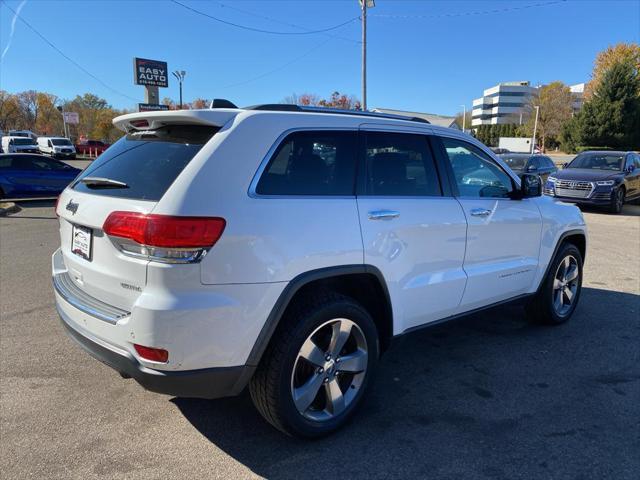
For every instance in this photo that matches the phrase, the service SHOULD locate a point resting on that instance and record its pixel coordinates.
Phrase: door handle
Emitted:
(383, 214)
(480, 212)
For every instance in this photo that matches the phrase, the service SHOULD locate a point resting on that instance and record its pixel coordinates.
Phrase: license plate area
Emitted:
(81, 241)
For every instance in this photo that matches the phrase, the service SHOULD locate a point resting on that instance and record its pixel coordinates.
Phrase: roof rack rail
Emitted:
(288, 107)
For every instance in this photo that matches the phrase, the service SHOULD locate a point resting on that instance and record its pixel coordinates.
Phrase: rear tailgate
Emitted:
(107, 274)
(131, 176)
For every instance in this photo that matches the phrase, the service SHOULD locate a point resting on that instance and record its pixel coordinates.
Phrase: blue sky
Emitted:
(429, 56)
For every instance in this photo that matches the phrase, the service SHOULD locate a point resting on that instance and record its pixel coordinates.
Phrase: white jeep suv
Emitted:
(283, 248)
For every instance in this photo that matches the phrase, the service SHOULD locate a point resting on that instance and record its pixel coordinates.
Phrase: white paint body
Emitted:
(436, 259)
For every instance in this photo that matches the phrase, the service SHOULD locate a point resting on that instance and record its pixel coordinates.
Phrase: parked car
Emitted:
(23, 133)
(499, 151)
(526, 163)
(57, 147)
(91, 147)
(25, 175)
(284, 247)
(600, 178)
(19, 145)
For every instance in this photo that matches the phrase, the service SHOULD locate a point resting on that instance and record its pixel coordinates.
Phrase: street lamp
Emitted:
(364, 4)
(464, 117)
(535, 128)
(180, 74)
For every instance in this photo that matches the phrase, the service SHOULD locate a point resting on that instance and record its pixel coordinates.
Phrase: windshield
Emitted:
(598, 161)
(515, 162)
(146, 163)
(60, 141)
(22, 141)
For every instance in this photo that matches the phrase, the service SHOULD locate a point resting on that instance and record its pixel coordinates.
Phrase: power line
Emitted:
(275, 20)
(260, 30)
(472, 13)
(277, 69)
(80, 67)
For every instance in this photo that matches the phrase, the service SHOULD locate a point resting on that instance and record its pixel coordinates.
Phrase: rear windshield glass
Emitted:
(146, 162)
(516, 162)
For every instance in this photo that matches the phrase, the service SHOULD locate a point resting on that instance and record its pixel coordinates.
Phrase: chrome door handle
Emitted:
(480, 212)
(383, 214)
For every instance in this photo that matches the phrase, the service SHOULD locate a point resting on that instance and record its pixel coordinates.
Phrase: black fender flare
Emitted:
(294, 286)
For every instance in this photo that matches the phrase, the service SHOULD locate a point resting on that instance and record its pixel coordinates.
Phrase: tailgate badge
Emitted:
(72, 207)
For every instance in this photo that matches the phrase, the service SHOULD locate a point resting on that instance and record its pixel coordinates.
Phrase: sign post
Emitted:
(153, 74)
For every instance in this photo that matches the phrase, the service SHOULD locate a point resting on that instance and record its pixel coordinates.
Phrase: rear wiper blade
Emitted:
(101, 182)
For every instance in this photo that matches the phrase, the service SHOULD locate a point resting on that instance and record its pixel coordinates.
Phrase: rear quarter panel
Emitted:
(267, 238)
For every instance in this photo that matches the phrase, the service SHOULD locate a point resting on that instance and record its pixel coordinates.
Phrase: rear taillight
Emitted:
(163, 238)
(153, 354)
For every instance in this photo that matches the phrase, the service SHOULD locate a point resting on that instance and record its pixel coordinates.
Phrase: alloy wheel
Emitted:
(565, 285)
(329, 370)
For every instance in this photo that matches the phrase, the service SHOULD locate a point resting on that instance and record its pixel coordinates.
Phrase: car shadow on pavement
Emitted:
(487, 396)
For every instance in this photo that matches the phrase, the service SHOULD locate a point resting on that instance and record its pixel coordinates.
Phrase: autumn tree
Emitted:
(556, 107)
(467, 121)
(336, 100)
(620, 53)
(9, 111)
(200, 103)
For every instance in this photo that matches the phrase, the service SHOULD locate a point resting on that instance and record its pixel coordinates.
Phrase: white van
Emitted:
(57, 147)
(19, 145)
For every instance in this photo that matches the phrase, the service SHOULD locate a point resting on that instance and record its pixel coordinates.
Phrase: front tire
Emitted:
(559, 293)
(317, 367)
(617, 200)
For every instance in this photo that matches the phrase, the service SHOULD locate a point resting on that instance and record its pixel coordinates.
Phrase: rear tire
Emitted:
(558, 295)
(617, 200)
(314, 374)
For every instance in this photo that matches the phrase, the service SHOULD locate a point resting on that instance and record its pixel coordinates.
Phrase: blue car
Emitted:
(23, 175)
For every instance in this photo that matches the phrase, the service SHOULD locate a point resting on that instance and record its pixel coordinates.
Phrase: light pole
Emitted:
(64, 120)
(364, 4)
(180, 74)
(464, 117)
(535, 128)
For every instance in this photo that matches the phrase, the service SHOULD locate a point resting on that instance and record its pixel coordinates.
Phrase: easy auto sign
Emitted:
(150, 72)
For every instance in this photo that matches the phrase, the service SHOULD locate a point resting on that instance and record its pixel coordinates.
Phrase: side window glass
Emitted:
(536, 162)
(636, 161)
(50, 144)
(629, 161)
(400, 164)
(475, 173)
(311, 163)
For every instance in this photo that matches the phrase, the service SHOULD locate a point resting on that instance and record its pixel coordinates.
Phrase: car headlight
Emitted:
(551, 179)
(604, 183)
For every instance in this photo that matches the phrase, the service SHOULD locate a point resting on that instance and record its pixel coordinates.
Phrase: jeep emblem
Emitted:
(72, 207)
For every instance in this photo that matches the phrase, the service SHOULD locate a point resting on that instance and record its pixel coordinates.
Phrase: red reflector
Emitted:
(153, 354)
(139, 123)
(165, 230)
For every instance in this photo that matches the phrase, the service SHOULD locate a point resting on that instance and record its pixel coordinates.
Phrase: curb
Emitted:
(8, 208)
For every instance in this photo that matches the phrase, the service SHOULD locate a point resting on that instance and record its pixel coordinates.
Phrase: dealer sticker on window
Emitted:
(81, 241)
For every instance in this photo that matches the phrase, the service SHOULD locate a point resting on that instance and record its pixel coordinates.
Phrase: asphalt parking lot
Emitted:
(488, 396)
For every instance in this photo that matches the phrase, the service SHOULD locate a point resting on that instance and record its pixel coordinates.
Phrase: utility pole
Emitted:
(364, 4)
(180, 74)
(535, 128)
(464, 117)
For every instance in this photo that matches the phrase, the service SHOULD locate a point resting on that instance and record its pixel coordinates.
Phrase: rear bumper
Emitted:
(205, 383)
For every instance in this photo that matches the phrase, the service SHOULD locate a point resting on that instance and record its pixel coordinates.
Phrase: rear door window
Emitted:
(312, 163)
(400, 164)
(146, 162)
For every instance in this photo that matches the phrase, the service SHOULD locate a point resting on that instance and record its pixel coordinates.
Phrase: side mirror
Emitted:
(532, 168)
(530, 186)
(631, 168)
(565, 164)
